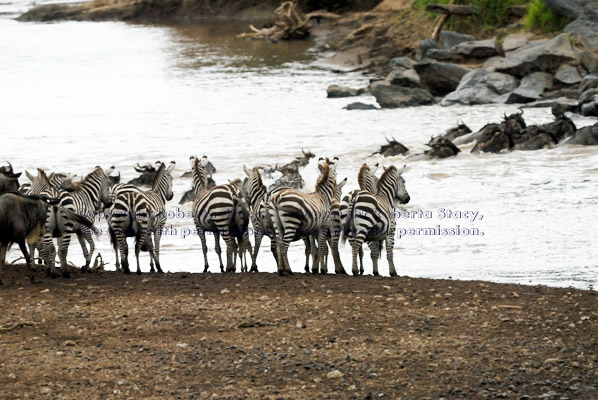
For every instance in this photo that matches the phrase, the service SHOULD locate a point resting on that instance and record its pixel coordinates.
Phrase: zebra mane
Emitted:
(200, 180)
(158, 176)
(258, 176)
(385, 176)
(83, 181)
(362, 176)
(236, 182)
(41, 174)
(324, 176)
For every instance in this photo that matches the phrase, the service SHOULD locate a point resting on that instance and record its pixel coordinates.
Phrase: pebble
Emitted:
(334, 374)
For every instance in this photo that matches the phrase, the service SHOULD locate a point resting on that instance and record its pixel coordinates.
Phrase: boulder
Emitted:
(445, 55)
(564, 103)
(588, 82)
(531, 88)
(440, 78)
(566, 8)
(428, 44)
(450, 39)
(589, 60)
(481, 87)
(404, 77)
(515, 41)
(401, 62)
(567, 74)
(585, 136)
(392, 96)
(588, 95)
(335, 91)
(360, 106)
(477, 48)
(537, 56)
(590, 109)
(586, 25)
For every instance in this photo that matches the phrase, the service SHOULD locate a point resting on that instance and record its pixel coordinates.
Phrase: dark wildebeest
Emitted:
(441, 147)
(22, 219)
(148, 173)
(9, 181)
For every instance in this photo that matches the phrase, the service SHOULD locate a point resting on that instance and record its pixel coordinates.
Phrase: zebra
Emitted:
(84, 200)
(256, 193)
(240, 228)
(370, 217)
(214, 211)
(140, 214)
(296, 214)
(333, 228)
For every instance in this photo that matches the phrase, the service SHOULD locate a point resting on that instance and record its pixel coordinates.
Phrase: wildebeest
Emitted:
(22, 219)
(441, 147)
(392, 148)
(9, 181)
(148, 173)
(460, 130)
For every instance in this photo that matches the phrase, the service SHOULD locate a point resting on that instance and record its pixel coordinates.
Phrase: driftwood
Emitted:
(447, 10)
(290, 24)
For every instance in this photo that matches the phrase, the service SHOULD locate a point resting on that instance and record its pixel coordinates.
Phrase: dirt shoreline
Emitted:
(229, 336)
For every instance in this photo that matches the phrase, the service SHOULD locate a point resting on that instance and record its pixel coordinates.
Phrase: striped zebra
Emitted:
(140, 214)
(85, 200)
(240, 228)
(370, 217)
(256, 193)
(296, 214)
(214, 211)
(334, 227)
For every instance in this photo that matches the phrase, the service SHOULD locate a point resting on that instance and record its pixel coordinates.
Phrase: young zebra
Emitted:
(297, 214)
(85, 200)
(370, 217)
(256, 193)
(139, 214)
(214, 211)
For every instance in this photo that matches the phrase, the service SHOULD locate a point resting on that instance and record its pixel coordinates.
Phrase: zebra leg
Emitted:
(81, 239)
(231, 247)
(63, 249)
(314, 241)
(361, 260)
(259, 235)
(218, 249)
(356, 250)
(138, 243)
(50, 255)
(26, 254)
(274, 249)
(307, 241)
(204, 247)
(322, 258)
(336, 257)
(152, 253)
(390, 242)
(114, 241)
(157, 237)
(375, 254)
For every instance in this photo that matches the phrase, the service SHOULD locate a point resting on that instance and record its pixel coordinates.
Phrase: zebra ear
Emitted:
(171, 166)
(374, 168)
(247, 172)
(157, 165)
(204, 161)
(343, 182)
(109, 171)
(31, 177)
(192, 161)
(402, 169)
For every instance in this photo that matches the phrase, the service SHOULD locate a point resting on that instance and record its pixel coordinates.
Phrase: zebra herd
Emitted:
(320, 219)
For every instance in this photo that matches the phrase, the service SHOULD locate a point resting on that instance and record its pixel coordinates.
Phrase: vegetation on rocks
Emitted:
(541, 18)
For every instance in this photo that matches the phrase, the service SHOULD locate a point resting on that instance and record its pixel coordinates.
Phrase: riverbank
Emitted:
(261, 336)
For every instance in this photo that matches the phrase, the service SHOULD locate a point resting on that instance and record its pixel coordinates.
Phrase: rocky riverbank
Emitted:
(252, 336)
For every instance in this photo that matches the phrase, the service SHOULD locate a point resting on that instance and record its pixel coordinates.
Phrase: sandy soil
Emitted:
(253, 336)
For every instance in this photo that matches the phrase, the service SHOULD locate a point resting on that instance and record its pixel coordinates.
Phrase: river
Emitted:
(74, 95)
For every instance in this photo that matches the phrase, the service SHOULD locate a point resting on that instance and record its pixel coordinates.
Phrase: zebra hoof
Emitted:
(138, 272)
(66, 274)
(160, 271)
(127, 272)
(393, 275)
(376, 274)
(33, 280)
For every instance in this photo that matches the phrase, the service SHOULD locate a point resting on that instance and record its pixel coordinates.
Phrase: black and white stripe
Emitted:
(370, 217)
(296, 214)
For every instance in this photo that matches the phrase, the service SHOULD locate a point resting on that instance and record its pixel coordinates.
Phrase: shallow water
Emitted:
(77, 94)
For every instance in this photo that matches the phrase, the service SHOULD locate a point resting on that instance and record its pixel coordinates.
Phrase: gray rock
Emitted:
(450, 39)
(585, 136)
(568, 75)
(477, 48)
(481, 87)
(445, 55)
(335, 91)
(568, 104)
(531, 88)
(537, 56)
(407, 77)
(588, 95)
(428, 44)
(590, 109)
(566, 8)
(360, 106)
(589, 60)
(586, 25)
(401, 62)
(392, 96)
(515, 41)
(588, 82)
(440, 78)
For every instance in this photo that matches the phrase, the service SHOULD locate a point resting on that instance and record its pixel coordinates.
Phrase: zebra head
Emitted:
(163, 181)
(367, 179)
(253, 188)
(105, 197)
(200, 173)
(41, 184)
(338, 189)
(401, 194)
(327, 180)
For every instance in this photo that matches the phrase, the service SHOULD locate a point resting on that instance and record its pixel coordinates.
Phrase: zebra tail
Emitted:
(80, 220)
(277, 221)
